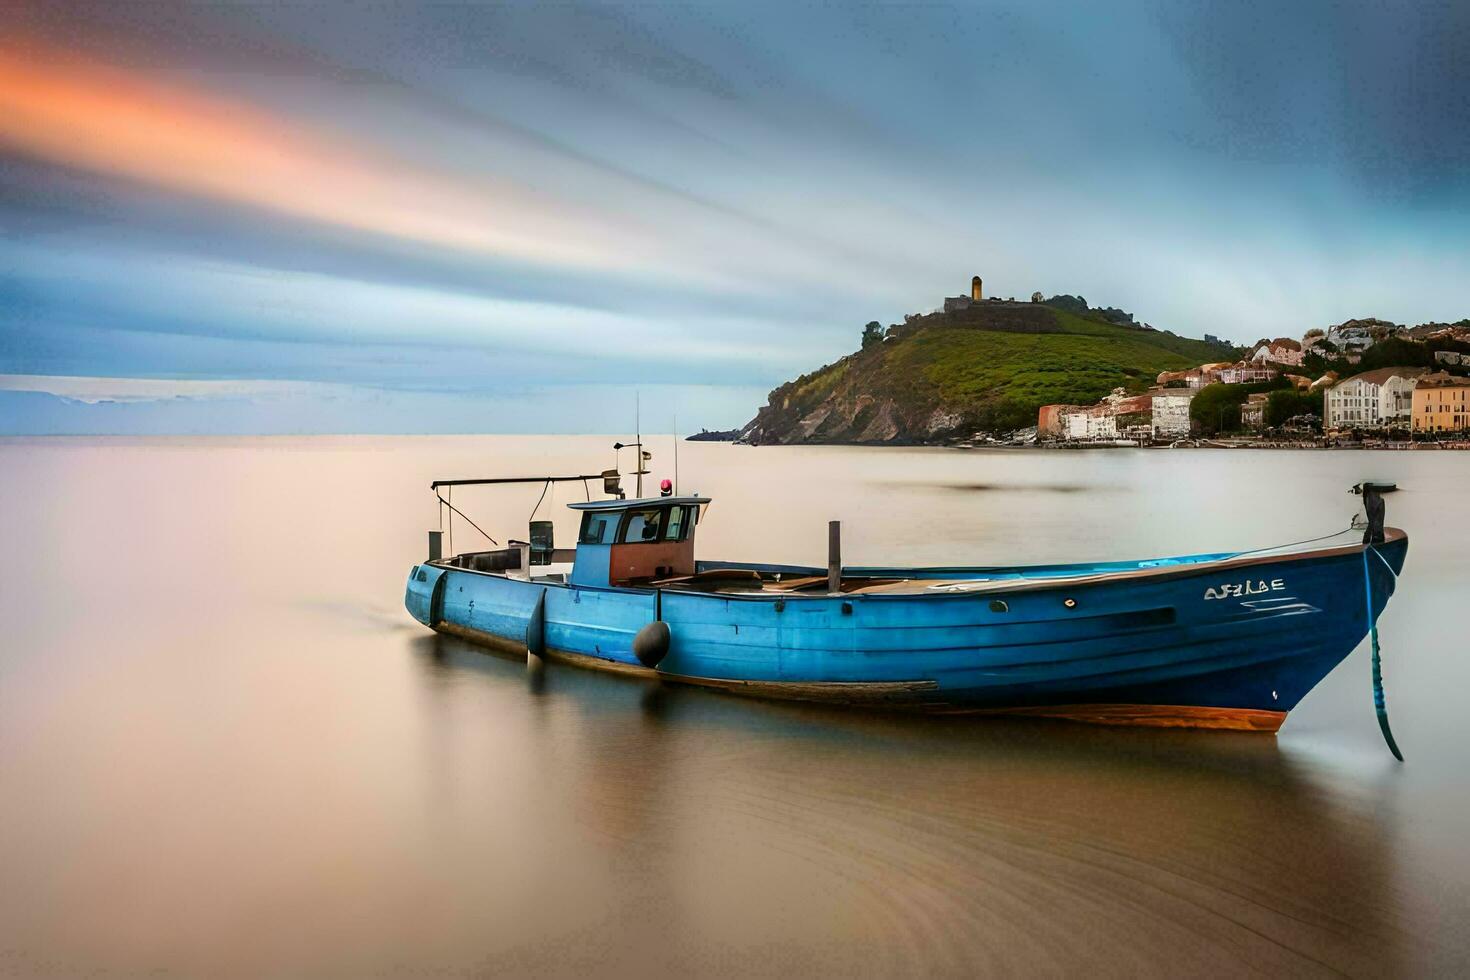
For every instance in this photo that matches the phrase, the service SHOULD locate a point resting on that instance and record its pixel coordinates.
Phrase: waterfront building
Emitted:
(1122, 403)
(1170, 409)
(1441, 403)
(1132, 414)
(1091, 424)
(1117, 413)
(1372, 400)
(1051, 420)
(1253, 412)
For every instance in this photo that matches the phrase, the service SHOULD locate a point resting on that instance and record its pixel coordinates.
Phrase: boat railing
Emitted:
(497, 560)
(510, 559)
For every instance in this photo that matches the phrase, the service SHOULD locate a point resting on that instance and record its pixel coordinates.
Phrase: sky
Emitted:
(389, 217)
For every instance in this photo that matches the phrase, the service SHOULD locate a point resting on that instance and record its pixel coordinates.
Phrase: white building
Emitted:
(1247, 372)
(1451, 357)
(1171, 412)
(1087, 425)
(1253, 412)
(1372, 400)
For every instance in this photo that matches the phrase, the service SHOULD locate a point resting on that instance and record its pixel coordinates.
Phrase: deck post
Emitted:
(436, 545)
(834, 556)
(525, 552)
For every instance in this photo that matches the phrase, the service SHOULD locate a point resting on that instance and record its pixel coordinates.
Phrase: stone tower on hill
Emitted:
(975, 290)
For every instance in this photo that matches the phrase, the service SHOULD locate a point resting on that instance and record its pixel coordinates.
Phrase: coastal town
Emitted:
(1269, 397)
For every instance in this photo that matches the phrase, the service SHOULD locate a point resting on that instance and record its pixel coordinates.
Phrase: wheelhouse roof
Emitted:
(639, 503)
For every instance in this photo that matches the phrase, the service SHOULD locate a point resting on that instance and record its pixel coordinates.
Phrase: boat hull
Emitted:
(1230, 643)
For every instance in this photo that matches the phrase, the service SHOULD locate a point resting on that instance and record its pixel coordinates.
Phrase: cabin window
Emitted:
(643, 525)
(677, 528)
(598, 528)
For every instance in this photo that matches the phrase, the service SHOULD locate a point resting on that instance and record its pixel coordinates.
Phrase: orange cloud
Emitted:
(119, 122)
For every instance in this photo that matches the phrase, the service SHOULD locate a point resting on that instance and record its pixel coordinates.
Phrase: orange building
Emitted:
(1441, 403)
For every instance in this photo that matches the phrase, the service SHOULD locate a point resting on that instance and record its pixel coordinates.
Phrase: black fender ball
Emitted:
(651, 644)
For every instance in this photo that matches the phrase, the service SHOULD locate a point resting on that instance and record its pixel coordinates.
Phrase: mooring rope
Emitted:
(1293, 544)
(1380, 704)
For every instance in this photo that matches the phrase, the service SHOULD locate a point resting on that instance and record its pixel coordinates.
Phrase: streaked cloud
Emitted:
(110, 120)
(141, 406)
(93, 391)
(408, 198)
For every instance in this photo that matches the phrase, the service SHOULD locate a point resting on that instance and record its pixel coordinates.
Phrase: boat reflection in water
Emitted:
(1229, 640)
(709, 824)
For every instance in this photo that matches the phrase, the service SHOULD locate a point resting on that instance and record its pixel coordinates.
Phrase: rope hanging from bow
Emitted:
(1380, 704)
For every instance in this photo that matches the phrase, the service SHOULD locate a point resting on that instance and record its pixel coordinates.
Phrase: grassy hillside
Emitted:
(986, 368)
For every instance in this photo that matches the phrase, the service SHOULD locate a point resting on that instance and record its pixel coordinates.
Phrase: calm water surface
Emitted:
(225, 749)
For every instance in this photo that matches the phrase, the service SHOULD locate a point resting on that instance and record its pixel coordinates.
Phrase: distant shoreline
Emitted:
(1214, 444)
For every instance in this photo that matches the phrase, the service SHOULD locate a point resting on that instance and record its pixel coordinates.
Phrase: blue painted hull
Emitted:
(1178, 641)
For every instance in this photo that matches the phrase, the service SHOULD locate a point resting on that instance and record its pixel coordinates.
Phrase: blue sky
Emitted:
(389, 217)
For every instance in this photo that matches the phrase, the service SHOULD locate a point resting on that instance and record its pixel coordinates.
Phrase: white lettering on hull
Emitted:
(1239, 590)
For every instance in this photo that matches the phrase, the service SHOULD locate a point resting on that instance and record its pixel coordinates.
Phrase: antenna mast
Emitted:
(676, 455)
(637, 445)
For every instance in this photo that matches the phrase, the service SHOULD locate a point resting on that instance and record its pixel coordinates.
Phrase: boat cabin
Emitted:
(633, 542)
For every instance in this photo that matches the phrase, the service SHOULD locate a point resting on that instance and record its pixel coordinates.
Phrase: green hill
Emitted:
(988, 367)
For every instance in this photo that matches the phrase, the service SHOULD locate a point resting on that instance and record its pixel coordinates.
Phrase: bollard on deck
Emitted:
(834, 556)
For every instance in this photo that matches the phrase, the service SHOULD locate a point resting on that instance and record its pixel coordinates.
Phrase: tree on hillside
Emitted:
(1390, 352)
(1068, 302)
(872, 334)
(1288, 403)
(1394, 352)
(1216, 408)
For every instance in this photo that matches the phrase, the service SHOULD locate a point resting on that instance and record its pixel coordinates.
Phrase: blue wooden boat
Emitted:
(1228, 640)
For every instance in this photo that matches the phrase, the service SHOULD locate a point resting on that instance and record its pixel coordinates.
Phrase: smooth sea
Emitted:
(226, 749)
